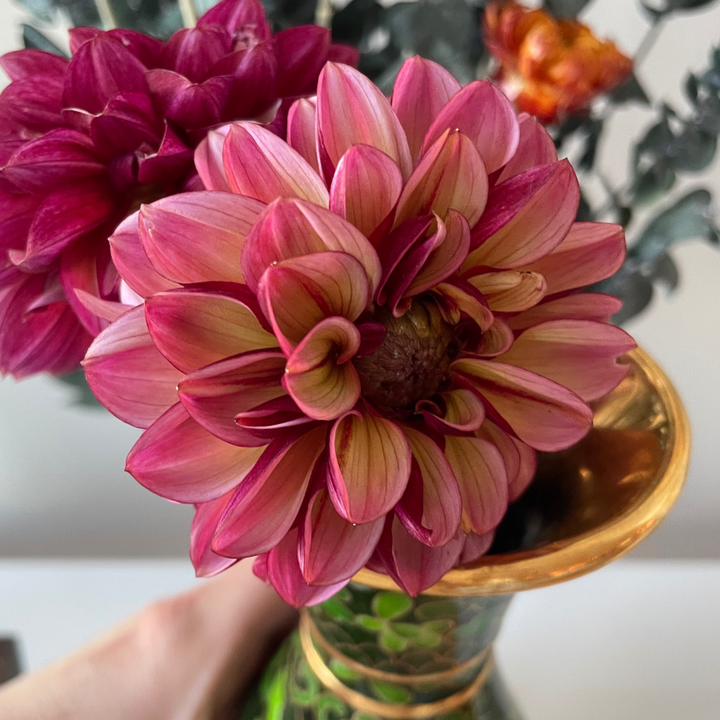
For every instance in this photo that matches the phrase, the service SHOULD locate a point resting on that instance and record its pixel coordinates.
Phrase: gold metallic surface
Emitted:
(595, 501)
(364, 704)
(396, 678)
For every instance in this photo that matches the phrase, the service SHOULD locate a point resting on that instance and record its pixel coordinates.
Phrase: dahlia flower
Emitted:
(551, 68)
(83, 142)
(352, 345)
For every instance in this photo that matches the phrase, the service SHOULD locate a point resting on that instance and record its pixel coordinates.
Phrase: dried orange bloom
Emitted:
(550, 67)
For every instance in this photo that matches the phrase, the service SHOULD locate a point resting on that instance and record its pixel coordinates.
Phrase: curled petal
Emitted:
(422, 88)
(446, 258)
(584, 306)
(463, 412)
(589, 253)
(292, 228)
(332, 549)
(209, 161)
(198, 236)
(274, 419)
(266, 504)
(296, 294)
(369, 466)
(207, 516)
(194, 327)
(535, 147)
(318, 375)
(132, 262)
(460, 298)
(450, 176)
(365, 187)
(578, 354)
(486, 116)
(431, 507)
(352, 111)
(127, 374)
(301, 131)
(239, 16)
(512, 290)
(283, 572)
(520, 459)
(216, 394)
(527, 217)
(260, 165)
(496, 340)
(543, 414)
(181, 461)
(413, 565)
(480, 472)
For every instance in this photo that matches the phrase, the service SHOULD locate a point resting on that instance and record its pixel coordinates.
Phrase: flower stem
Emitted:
(107, 16)
(188, 12)
(324, 13)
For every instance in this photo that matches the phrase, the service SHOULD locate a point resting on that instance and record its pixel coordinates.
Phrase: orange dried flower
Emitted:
(550, 67)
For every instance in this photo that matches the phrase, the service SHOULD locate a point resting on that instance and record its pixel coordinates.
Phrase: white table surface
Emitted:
(639, 640)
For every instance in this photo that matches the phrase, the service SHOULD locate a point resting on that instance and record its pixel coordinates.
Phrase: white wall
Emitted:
(62, 487)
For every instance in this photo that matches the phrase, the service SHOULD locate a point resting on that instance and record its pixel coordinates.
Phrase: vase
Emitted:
(373, 652)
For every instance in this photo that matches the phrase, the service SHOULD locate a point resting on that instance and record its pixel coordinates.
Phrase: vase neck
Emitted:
(385, 647)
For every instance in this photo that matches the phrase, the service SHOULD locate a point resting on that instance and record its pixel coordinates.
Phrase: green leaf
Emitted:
(342, 671)
(688, 219)
(566, 8)
(407, 630)
(337, 610)
(391, 605)
(387, 692)
(392, 642)
(35, 40)
(437, 610)
(370, 623)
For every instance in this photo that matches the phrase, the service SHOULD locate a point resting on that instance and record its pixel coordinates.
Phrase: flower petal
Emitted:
(414, 566)
(369, 466)
(520, 459)
(512, 290)
(208, 160)
(431, 507)
(318, 375)
(496, 340)
(543, 414)
(239, 16)
(194, 327)
(301, 131)
(535, 147)
(578, 354)
(181, 461)
(301, 53)
(132, 262)
(458, 297)
(451, 175)
(292, 228)
(266, 504)
(127, 374)
(463, 412)
(198, 237)
(475, 547)
(422, 88)
(583, 306)
(283, 572)
(589, 253)
(480, 472)
(365, 187)
(216, 394)
(526, 217)
(207, 516)
(331, 548)
(296, 294)
(352, 111)
(486, 116)
(260, 165)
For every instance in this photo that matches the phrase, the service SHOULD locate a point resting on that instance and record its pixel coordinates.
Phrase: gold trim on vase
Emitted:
(365, 704)
(643, 423)
(308, 626)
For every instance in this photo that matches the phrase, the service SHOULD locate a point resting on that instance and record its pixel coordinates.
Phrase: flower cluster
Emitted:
(83, 142)
(352, 344)
(551, 68)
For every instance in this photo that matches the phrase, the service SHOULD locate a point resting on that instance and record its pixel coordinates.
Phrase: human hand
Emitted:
(186, 658)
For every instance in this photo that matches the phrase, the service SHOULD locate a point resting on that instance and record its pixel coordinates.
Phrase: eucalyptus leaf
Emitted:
(630, 91)
(593, 132)
(665, 7)
(631, 287)
(35, 40)
(566, 8)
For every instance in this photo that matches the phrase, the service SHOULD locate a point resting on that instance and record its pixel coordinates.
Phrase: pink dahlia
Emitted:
(353, 344)
(83, 142)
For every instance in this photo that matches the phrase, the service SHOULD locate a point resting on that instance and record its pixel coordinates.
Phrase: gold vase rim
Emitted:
(575, 556)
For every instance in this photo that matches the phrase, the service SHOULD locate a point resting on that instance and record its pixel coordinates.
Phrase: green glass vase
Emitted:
(373, 652)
